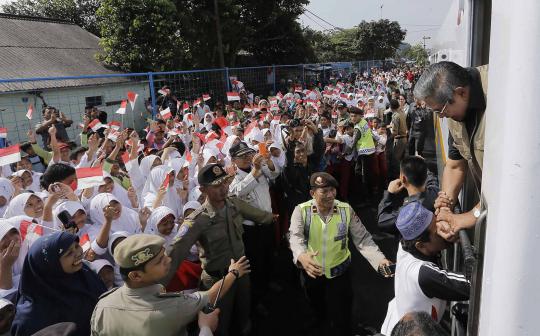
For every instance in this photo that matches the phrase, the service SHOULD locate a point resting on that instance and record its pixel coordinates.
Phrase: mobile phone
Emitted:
(388, 270)
(56, 188)
(67, 220)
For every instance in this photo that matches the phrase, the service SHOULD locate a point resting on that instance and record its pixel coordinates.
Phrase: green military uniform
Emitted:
(144, 311)
(219, 233)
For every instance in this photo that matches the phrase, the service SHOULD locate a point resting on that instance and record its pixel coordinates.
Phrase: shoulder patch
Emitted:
(107, 293)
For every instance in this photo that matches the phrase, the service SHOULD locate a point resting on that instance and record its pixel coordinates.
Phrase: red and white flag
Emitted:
(206, 97)
(10, 155)
(279, 95)
(89, 177)
(247, 109)
(185, 107)
(197, 102)
(166, 181)
(298, 89)
(113, 135)
(115, 125)
(122, 109)
(222, 122)
(250, 127)
(29, 229)
(233, 96)
(132, 97)
(3, 132)
(166, 113)
(84, 242)
(95, 125)
(30, 112)
(127, 162)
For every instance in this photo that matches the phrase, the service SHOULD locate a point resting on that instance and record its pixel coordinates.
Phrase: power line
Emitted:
(324, 28)
(320, 18)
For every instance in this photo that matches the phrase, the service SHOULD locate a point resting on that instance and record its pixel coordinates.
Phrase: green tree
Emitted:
(80, 12)
(141, 35)
(416, 53)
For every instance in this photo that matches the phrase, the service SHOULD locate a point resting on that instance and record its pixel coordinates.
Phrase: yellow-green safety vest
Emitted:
(329, 239)
(364, 145)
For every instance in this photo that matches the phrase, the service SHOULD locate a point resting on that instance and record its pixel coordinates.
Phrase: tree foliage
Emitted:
(80, 12)
(369, 40)
(416, 53)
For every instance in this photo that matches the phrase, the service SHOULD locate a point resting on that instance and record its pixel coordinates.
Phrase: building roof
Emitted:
(33, 47)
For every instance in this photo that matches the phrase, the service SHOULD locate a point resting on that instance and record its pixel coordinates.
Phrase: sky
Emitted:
(419, 17)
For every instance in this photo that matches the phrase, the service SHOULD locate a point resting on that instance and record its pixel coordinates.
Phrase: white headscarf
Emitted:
(71, 207)
(152, 225)
(146, 164)
(191, 205)
(6, 190)
(194, 194)
(208, 125)
(228, 144)
(5, 227)
(17, 205)
(128, 220)
(35, 184)
(151, 189)
(278, 161)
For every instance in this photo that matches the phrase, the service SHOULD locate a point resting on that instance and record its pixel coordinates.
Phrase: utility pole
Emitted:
(218, 34)
(425, 38)
(381, 9)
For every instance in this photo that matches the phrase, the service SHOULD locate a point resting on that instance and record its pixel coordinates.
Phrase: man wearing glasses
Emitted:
(458, 94)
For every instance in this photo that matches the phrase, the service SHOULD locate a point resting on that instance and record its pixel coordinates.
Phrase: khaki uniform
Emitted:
(141, 311)
(399, 130)
(219, 233)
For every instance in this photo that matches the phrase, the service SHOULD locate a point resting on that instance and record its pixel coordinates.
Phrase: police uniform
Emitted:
(219, 233)
(331, 293)
(146, 310)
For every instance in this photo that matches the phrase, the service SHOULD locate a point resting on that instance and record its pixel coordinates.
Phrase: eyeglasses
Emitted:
(439, 112)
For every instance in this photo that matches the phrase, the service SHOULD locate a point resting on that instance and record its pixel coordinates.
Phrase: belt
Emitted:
(400, 136)
(340, 269)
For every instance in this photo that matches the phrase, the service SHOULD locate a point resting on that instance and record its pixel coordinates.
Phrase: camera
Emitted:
(67, 220)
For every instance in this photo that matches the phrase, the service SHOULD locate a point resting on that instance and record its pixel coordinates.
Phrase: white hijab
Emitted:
(208, 125)
(151, 189)
(146, 164)
(6, 190)
(128, 220)
(152, 225)
(17, 205)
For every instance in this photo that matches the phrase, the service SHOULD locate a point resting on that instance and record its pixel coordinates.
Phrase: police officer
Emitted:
(141, 306)
(217, 226)
(319, 234)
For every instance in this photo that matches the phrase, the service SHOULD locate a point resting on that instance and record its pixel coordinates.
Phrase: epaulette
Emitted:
(107, 293)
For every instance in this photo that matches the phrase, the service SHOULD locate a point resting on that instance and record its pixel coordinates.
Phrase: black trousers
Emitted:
(258, 244)
(416, 144)
(331, 299)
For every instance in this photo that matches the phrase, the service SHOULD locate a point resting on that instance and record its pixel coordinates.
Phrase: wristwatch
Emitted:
(235, 273)
(476, 212)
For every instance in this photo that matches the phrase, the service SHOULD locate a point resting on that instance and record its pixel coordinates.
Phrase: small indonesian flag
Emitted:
(127, 162)
(115, 125)
(122, 109)
(221, 122)
(113, 135)
(132, 97)
(84, 242)
(29, 229)
(233, 96)
(162, 92)
(3, 132)
(247, 109)
(10, 155)
(206, 97)
(200, 136)
(166, 113)
(188, 156)
(334, 115)
(189, 116)
(166, 181)
(274, 107)
(298, 89)
(327, 94)
(343, 96)
(30, 112)
(279, 95)
(95, 125)
(273, 100)
(211, 136)
(175, 131)
(89, 177)
(197, 101)
(185, 107)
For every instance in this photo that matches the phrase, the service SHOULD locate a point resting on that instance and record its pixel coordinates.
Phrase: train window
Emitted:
(481, 29)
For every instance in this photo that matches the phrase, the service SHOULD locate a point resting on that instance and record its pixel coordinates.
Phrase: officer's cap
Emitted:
(413, 220)
(356, 110)
(240, 149)
(322, 180)
(212, 174)
(137, 250)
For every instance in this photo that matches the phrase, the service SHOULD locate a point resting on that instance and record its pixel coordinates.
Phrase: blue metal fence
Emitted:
(70, 94)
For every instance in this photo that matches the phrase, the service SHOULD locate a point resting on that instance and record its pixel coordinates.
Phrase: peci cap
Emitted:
(240, 149)
(137, 250)
(322, 180)
(413, 220)
(341, 104)
(212, 174)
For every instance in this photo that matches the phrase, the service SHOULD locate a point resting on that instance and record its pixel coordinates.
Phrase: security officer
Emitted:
(319, 234)
(217, 226)
(141, 306)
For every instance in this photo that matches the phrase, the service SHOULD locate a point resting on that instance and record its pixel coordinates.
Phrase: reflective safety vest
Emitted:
(329, 239)
(364, 145)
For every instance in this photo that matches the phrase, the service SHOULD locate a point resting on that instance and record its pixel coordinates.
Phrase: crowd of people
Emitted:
(170, 230)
